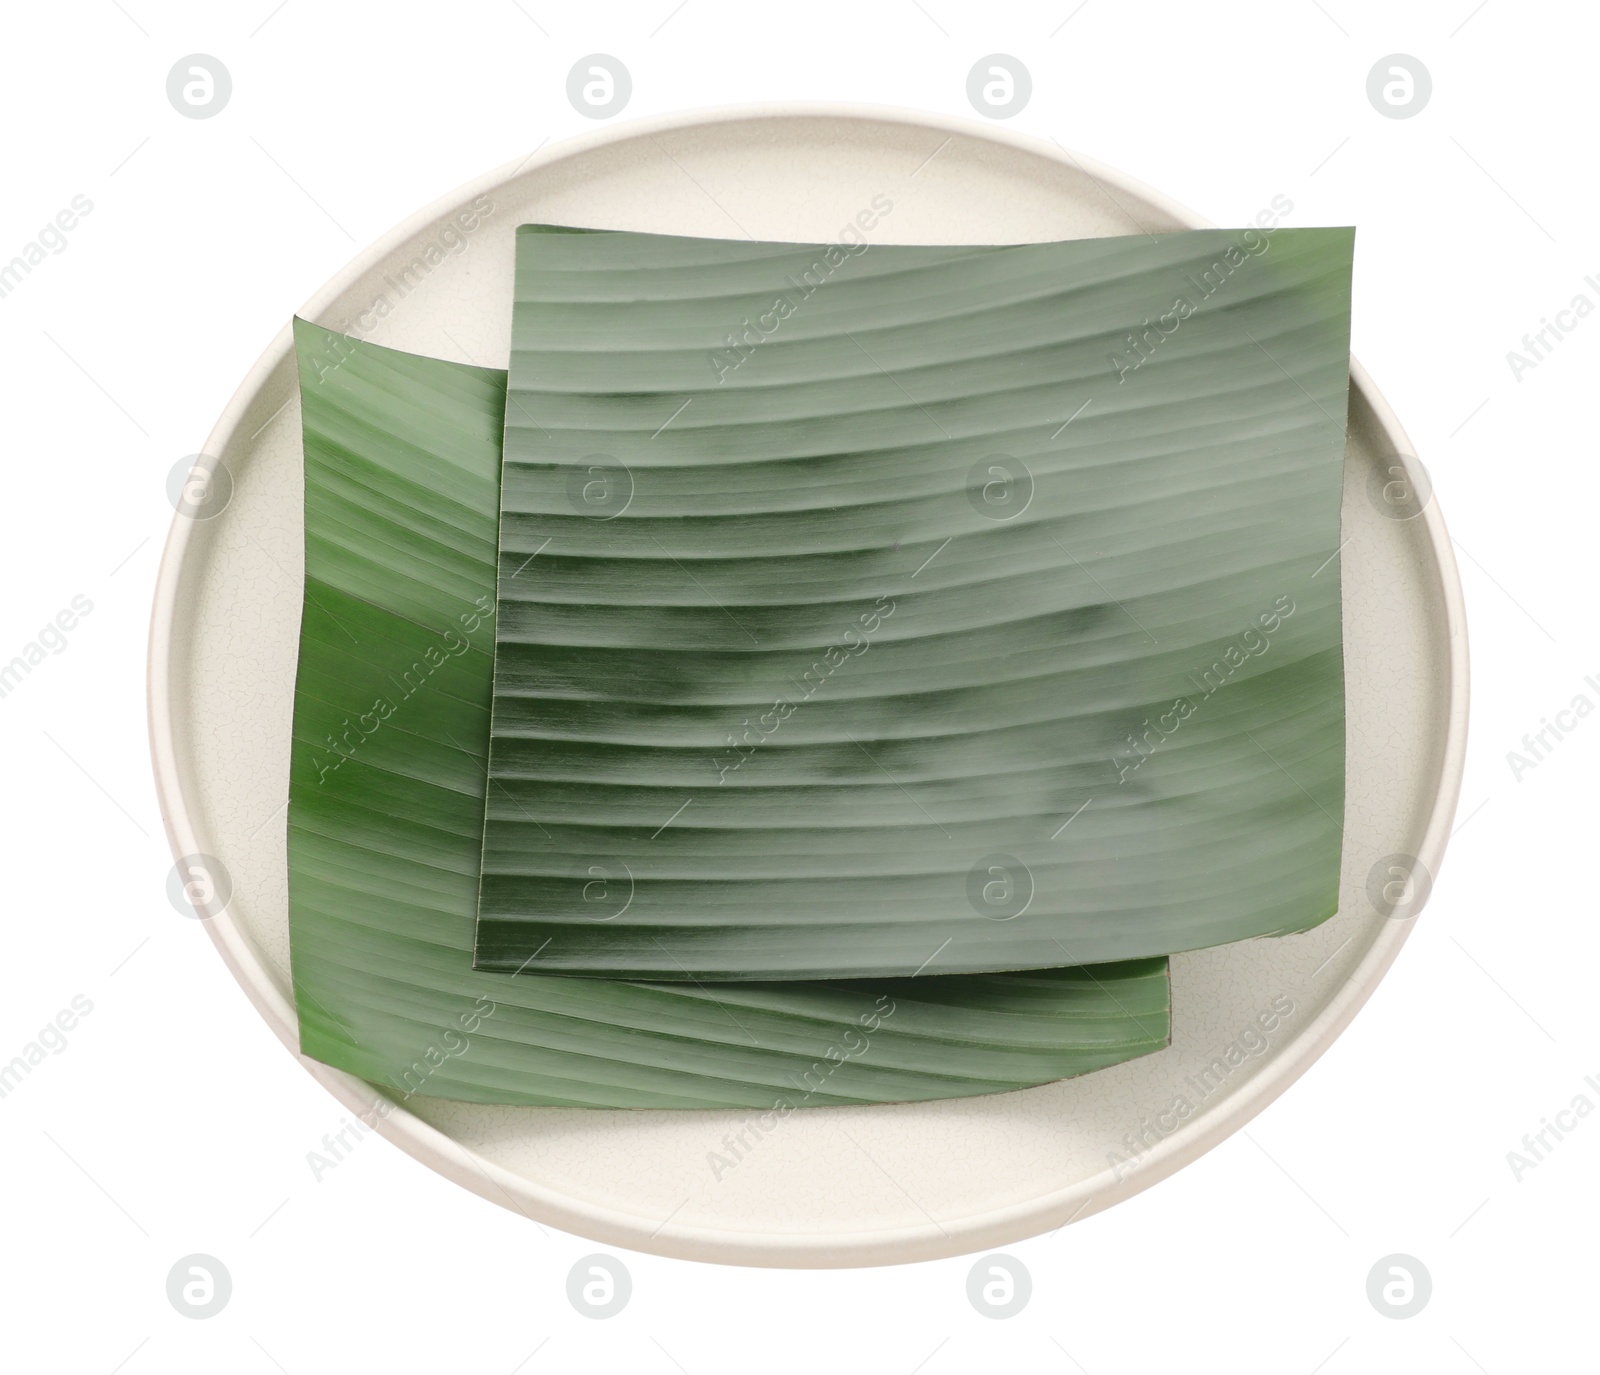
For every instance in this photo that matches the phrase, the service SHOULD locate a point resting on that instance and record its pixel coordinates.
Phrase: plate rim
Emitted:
(828, 1248)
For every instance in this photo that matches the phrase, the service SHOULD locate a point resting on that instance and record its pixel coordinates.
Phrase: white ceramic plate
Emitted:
(830, 1186)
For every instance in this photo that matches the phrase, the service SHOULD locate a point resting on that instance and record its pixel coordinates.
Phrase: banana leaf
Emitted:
(868, 610)
(387, 791)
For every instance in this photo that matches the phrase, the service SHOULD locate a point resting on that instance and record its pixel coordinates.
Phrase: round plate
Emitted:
(830, 1186)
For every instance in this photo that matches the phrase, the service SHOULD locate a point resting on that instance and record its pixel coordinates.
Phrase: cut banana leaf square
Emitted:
(893, 610)
(387, 795)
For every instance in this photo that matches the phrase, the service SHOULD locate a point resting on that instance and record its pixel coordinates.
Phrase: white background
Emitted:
(174, 1123)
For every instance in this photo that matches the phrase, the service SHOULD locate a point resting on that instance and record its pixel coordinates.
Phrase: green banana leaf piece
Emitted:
(391, 728)
(868, 610)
